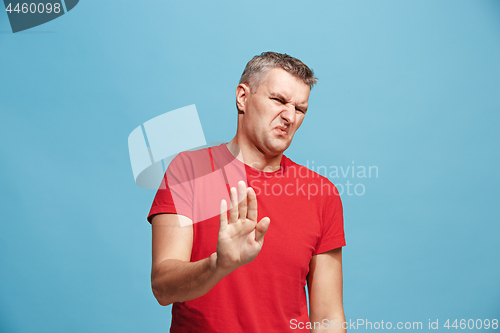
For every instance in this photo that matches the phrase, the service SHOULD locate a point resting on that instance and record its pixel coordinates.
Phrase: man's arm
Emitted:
(324, 283)
(174, 278)
(171, 273)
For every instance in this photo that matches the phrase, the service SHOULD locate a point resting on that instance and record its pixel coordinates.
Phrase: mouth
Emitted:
(282, 130)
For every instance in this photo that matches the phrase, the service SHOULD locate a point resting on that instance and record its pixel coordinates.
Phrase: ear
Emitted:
(242, 92)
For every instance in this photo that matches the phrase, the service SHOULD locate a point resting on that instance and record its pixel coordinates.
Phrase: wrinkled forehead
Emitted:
(279, 81)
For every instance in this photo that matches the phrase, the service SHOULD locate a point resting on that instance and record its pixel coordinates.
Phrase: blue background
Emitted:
(408, 86)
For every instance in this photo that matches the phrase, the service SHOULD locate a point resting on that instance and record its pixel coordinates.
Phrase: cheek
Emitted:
(298, 122)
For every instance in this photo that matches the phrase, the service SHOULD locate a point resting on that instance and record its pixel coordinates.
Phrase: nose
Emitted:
(288, 113)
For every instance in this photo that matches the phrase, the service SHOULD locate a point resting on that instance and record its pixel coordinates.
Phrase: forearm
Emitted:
(175, 280)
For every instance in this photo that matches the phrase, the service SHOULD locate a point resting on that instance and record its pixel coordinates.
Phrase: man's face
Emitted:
(273, 113)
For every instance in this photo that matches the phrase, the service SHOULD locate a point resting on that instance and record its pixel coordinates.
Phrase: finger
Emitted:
(233, 211)
(261, 228)
(242, 200)
(223, 215)
(252, 204)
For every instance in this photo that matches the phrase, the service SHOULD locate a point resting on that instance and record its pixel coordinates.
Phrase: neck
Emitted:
(251, 155)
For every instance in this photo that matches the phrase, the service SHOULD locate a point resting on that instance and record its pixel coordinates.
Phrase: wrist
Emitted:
(215, 267)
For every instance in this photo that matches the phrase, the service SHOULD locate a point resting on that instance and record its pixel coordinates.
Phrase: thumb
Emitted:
(261, 228)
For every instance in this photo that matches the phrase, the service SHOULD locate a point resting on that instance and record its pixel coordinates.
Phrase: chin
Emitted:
(277, 149)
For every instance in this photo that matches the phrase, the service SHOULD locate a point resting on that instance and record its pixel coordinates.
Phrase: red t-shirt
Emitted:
(268, 293)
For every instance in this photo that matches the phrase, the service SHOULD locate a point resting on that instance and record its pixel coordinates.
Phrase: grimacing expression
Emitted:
(273, 113)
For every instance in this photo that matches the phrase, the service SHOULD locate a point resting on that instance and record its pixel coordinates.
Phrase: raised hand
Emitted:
(240, 236)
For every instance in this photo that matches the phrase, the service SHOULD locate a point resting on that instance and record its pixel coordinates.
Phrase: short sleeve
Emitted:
(175, 193)
(332, 223)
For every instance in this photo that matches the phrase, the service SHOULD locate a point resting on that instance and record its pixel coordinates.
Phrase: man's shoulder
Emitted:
(193, 154)
(201, 161)
(301, 171)
(190, 163)
(202, 154)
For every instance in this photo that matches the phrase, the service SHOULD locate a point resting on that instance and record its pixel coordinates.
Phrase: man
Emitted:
(216, 206)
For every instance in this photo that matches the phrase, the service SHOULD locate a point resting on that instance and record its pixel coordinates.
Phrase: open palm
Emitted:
(240, 236)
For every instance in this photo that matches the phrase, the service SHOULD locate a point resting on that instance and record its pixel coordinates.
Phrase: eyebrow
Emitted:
(280, 96)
